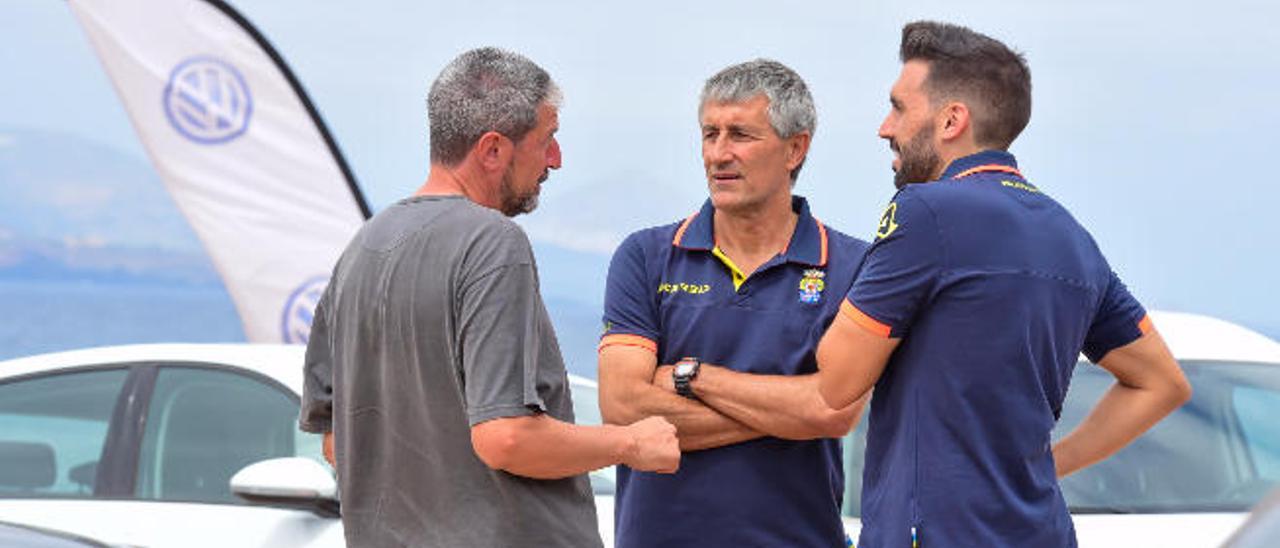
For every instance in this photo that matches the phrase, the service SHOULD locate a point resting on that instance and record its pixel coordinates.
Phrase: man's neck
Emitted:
(953, 153)
(753, 237)
(458, 181)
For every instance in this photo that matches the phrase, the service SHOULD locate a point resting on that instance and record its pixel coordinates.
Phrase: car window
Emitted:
(1218, 453)
(586, 410)
(52, 432)
(853, 447)
(1213, 454)
(1256, 409)
(203, 425)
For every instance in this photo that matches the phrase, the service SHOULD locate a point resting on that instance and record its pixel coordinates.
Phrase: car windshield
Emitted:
(1218, 453)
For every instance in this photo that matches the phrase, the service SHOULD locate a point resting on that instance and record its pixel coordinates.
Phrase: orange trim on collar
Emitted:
(683, 226)
(986, 168)
(822, 230)
(628, 340)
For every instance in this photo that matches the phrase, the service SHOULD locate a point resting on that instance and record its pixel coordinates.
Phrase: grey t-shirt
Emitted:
(431, 324)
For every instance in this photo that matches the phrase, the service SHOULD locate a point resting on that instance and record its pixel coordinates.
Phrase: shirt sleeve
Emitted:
(900, 270)
(316, 413)
(630, 313)
(1120, 320)
(500, 333)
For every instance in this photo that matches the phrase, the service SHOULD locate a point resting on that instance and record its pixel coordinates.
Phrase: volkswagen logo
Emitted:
(207, 100)
(300, 309)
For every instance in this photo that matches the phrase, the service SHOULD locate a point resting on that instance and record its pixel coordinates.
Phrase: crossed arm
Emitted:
(732, 407)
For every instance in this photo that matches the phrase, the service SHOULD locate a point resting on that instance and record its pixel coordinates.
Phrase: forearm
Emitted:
(782, 406)
(542, 447)
(1122, 415)
(698, 426)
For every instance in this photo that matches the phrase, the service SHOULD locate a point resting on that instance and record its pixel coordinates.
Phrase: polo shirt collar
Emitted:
(960, 166)
(808, 243)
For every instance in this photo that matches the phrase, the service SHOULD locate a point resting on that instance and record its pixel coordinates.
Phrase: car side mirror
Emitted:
(292, 482)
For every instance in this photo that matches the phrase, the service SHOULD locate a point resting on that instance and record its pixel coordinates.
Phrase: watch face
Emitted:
(684, 369)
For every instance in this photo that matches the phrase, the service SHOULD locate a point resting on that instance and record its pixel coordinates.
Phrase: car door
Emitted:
(61, 436)
(181, 431)
(57, 432)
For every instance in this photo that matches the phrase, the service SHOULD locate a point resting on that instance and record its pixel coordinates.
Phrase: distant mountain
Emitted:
(77, 261)
(74, 209)
(62, 187)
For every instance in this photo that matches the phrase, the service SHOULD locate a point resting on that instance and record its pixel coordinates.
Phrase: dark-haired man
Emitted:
(432, 361)
(969, 313)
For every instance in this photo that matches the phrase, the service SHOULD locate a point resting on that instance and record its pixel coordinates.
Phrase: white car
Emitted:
(1191, 480)
(137, 445)
(143, 445)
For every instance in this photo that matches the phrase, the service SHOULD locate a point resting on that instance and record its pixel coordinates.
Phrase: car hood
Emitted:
(1128, 530)
(1168, 530)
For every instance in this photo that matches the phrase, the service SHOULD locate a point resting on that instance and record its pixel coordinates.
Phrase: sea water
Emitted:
(41, 316)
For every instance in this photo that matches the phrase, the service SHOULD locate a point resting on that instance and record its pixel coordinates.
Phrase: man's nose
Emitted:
(885, 132)
(553, 154)
(717, 151)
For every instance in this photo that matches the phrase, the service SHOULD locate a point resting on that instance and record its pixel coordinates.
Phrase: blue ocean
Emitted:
(38, 316)
(42, 316)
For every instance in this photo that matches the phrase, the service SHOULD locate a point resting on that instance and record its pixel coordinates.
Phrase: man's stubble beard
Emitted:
(919, 160)
(513, 203)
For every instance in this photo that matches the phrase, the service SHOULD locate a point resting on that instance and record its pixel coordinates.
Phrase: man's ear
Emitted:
(797, 149)
(954, 121)
(493, 151)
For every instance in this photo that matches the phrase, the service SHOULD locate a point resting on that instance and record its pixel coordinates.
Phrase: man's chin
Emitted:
(900, 180)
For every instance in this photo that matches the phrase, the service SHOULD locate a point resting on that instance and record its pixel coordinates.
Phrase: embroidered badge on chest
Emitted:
(811, 285)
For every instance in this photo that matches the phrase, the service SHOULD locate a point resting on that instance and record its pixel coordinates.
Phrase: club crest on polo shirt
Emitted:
(888, 221)
(811, 285)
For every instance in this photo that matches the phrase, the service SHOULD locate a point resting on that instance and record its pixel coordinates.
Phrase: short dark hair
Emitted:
(980, 71)
(483, 90)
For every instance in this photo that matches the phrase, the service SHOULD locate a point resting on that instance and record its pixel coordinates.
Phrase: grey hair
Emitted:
(483, 90)
(791, 109)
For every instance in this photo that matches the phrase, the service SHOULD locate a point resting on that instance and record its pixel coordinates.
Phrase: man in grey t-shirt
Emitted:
(432, 365)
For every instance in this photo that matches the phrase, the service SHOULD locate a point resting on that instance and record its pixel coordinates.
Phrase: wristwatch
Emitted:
(685, 371)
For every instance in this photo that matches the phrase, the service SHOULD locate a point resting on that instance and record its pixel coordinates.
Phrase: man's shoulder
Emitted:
(654, 237)
(446, 227)
(841, 242)
(466, 217)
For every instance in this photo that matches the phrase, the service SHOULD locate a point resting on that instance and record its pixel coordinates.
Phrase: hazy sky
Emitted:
(1151, 118)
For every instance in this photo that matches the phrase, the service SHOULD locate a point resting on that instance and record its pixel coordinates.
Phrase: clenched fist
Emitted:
(655, 447)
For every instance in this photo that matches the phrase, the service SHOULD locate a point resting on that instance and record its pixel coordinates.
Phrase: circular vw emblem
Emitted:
(207, 100)
(300, 309)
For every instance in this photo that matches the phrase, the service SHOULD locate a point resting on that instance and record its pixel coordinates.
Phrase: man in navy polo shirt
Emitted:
(968, 316)
(736, 297)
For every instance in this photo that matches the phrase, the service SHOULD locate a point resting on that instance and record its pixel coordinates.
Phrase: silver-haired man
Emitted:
(432, 360)
(712, 323)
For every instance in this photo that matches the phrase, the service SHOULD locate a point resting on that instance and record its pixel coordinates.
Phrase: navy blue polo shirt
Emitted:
(670, 290)
(994, 290)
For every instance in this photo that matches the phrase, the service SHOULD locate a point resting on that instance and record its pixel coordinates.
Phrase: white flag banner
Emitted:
(240, 147)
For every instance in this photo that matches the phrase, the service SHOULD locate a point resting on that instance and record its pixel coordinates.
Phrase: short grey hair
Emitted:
(791, 109)
(483, 90)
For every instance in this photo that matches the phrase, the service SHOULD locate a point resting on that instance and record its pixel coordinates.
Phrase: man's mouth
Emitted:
(725, 176)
